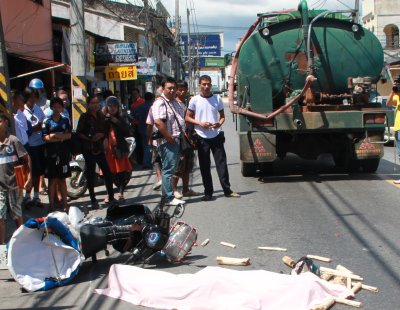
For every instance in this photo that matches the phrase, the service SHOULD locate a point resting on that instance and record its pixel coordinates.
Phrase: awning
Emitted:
(48, 65)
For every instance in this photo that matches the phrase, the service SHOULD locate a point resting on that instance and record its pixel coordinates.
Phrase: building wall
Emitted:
(27, 28)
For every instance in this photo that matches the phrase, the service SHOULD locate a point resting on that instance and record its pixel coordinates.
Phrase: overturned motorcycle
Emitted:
(60, 243)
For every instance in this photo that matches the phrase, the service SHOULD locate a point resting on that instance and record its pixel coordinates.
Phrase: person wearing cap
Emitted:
(117, 148)
(43, 102)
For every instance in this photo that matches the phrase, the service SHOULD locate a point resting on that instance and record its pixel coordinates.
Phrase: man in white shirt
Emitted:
(206, 112)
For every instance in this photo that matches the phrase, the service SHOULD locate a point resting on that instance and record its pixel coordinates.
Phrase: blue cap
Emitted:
(36, 83)
(112, 100)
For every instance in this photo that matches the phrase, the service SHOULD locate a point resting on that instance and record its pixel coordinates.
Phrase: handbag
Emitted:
(185, 144)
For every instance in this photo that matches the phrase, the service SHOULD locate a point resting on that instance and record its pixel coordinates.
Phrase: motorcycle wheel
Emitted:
(75, 190)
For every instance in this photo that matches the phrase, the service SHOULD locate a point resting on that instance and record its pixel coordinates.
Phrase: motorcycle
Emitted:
(60, 242)
(77, 184)
(135, 229)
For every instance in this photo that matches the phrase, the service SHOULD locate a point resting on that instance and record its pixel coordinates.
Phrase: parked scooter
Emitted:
(77, 184)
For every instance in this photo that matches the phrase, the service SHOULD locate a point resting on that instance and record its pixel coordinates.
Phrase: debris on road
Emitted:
(205, 242)
(320, 258)
(268, 248)
(221, 260)
(228, 244)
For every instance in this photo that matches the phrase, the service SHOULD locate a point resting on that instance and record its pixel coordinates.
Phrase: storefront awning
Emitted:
(47, 64)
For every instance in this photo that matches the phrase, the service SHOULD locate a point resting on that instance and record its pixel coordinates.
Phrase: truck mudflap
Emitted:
(369, 148)
(257, 147)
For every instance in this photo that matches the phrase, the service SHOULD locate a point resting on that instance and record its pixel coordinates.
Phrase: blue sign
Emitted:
(202, 44)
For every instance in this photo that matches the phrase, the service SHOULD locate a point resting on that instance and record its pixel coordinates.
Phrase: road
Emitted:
(307, 207)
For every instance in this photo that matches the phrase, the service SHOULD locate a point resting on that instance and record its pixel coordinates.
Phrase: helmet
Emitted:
(36, 83)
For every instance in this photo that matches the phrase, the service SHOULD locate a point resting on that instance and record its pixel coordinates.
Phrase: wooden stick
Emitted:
(205, 242)
(368, 287)
(233, 261)
(228, 244)
(348, 283)
(349, 302)
(340, 273)
(326, 304)
(320, 258)
(272, 248)
(344, 269)
(356, 287)
(326, 276)
(288, 261)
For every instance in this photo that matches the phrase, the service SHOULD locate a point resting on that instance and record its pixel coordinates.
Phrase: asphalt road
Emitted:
(308, 207)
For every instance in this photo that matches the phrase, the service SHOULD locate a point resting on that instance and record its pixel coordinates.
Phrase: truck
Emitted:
(304, 83)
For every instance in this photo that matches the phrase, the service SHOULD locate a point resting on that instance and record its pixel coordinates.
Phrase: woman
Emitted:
(117, 148)
(91, 132)
(394, 100)
(56, 133)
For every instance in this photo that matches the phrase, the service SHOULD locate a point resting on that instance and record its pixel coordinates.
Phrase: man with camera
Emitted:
(394, 100)
(167, 112)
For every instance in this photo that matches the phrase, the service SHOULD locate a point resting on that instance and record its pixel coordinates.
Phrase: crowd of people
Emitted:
(42, 144)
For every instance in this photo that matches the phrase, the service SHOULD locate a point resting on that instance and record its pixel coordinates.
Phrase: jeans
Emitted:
(169, 160)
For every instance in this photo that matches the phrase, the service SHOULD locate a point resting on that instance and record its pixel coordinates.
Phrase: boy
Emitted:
(11, 150)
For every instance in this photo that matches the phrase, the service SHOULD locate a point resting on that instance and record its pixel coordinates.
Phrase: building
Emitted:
(382, 17)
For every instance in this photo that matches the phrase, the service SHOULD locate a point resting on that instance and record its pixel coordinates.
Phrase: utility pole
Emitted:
(78, 60)
(357, 8)
(189, 47)
(146, 29)
(4, 80)
(177, 40)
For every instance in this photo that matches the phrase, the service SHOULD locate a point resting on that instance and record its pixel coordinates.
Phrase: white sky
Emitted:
(237, 14)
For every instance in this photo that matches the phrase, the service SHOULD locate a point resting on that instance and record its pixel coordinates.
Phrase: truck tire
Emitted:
(369, 165)
(248, 169)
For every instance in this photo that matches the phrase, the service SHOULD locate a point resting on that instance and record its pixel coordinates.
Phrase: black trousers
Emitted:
(91, 161)
(216, 146)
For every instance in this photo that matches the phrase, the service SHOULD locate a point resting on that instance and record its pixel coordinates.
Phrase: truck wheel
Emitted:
(266, 168)
(248, 169)
(369, 165)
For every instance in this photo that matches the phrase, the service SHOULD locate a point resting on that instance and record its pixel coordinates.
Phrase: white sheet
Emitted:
(215, 288)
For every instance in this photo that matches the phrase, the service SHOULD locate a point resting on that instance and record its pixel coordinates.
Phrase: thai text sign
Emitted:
(121, 73)
(203, 44)
(116, 53)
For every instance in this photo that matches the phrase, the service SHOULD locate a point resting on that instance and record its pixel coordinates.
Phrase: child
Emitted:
(11, 151)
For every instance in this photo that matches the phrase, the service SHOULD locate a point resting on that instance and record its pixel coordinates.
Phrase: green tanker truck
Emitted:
(304, 82)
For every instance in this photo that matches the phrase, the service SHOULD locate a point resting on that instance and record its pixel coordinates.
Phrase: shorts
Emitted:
(13, 199)
(57, 167)
(155, 158)
(185, 164)
(36, 153)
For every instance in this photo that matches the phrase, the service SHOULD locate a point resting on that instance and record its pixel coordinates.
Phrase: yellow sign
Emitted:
(121, 73)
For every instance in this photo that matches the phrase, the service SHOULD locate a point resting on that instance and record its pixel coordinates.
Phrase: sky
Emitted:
(234, 17)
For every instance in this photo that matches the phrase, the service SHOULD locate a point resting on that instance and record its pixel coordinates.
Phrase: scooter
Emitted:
(77, 184)
(135, 229)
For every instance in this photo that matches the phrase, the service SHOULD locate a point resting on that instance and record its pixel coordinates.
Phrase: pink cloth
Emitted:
(215, 288)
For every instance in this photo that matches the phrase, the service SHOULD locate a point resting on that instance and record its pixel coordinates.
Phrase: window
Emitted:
(392, 36)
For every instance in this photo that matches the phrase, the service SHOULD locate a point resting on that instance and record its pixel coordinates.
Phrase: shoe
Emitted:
(233, 195)
(396, 181)
(26, 200)
(157, 185)
(36, 200)
(95, 205)
(121, 198)
(207, 198)
(178, 195)
(191, 193)
(175, 202)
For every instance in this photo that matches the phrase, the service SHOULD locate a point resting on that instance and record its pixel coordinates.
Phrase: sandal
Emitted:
(121, 198)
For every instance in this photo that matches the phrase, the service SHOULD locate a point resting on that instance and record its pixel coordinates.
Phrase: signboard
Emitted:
(146, 66)
(116, 53)
(125, 73)
(212, 62)
(203, 44)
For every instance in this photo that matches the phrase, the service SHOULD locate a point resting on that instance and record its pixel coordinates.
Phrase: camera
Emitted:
(156, 135)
